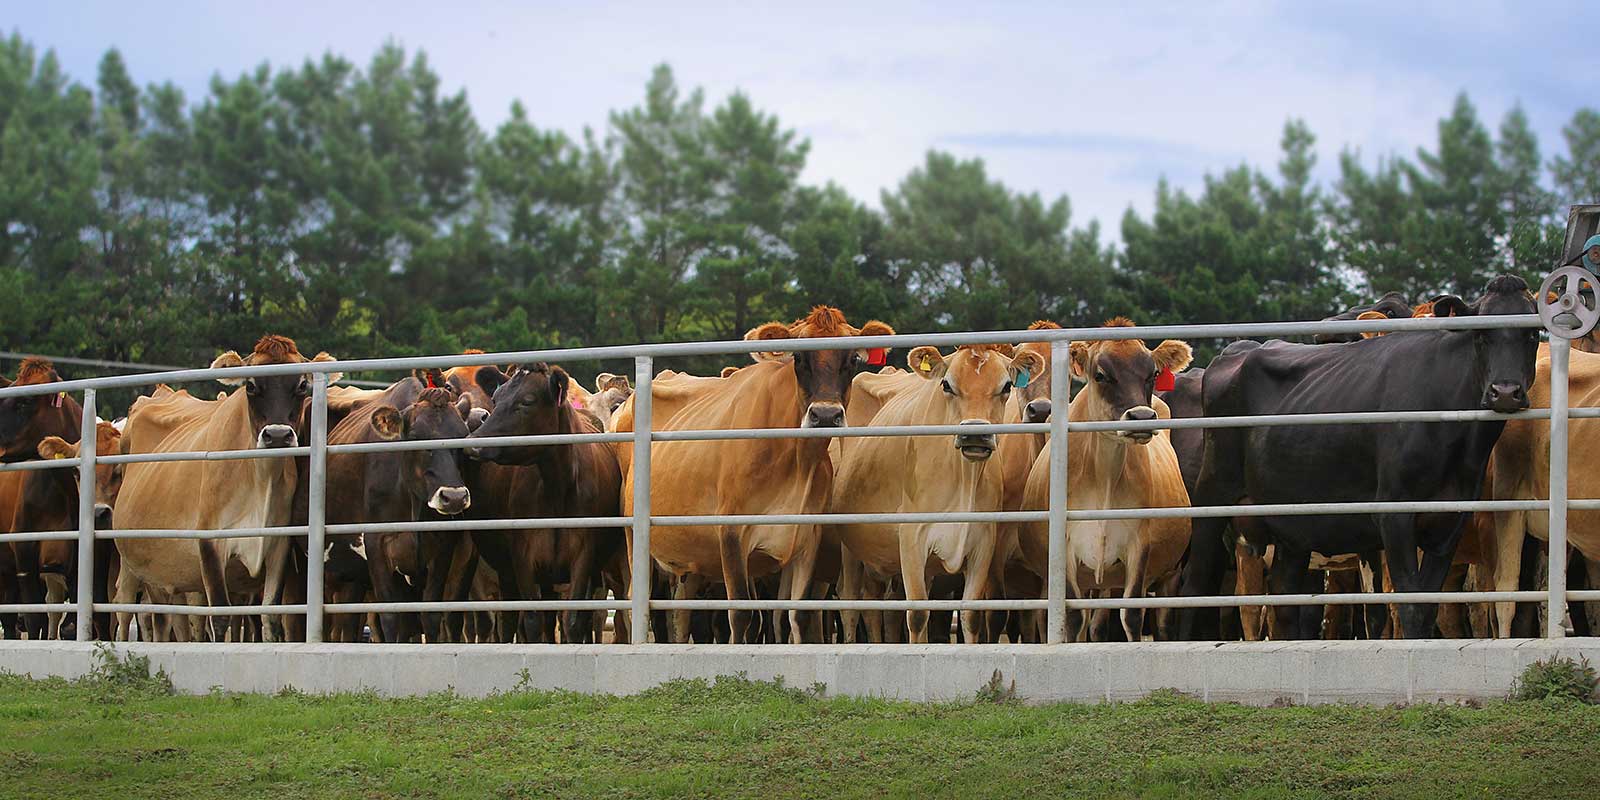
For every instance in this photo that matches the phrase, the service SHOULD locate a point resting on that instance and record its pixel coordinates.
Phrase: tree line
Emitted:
(363, 210)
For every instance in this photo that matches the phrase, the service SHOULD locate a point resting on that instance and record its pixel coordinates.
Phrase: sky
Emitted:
(1096, 101)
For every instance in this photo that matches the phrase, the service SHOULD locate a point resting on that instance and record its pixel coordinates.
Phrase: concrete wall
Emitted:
(1248, 672)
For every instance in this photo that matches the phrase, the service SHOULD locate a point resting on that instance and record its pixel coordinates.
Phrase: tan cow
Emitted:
(927, 474)
(1030, 403)
(783, 476)
(1115, 469)
(1520, 470)
(264, 413)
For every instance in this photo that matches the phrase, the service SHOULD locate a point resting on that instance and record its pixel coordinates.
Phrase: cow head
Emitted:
(610, 392)
(276, 403)
(1503, 358)
(531, 401)
(1390, 306)
(26, 421)
(823, 375)
(975, 383)
(107, 477)
(432, 477)
(1034, 398)
(477, 383)
(1121, 376)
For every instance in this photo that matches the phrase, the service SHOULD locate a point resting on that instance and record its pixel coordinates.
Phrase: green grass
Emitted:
(121, 735)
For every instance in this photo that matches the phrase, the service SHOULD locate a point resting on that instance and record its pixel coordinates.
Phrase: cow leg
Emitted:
(386, 585)
(797, 573)
(736, 580)
(107, 569)
(976, 588)
(1451, 622)
(576, 625)
(851, 573)
(216, 586)
(1287, 575)
(1133, 586)
(30, 588)
(1250, 578)
(688, 587)
(1376, 615)
(272, 585)
(1202, 577)
(1590, 611)
(1400, 554)
(1510, 528)
(914, 574)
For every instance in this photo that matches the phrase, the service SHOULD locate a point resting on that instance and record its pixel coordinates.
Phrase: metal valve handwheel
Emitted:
(1572, 314)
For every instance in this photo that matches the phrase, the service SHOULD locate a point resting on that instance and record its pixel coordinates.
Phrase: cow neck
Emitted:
(555, 462)
(64, 421)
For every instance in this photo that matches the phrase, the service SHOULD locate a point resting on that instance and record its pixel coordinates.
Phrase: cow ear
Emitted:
(56, 447)
(728, 371)
(333, 377)
(431, 376)
(1079, 353)
(1030, 361)
(1173, 355)
(489, 379)
(876, 328)
(602, 380)
(1367, 315)
(225, 361)
(1449, 305)
(608, 381)
(927, 362)
(464, 407)
(387, 423)
(771, 330)
(558, 384)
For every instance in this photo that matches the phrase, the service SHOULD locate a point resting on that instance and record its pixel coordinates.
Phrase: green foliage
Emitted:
(116, 679)
(1558, 678)
(360, 209)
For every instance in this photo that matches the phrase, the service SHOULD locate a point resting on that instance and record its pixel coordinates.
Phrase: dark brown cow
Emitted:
(401, 487)
(24, 424)
(574, 480)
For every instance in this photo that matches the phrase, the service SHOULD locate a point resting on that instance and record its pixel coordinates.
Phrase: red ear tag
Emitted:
(429, 376)
(877, 356)
(1166, 381)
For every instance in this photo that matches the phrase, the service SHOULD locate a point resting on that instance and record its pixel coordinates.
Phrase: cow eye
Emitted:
(1101, 377)
(948, 389)
(251, 388)
(303, 388)
(1005, 388)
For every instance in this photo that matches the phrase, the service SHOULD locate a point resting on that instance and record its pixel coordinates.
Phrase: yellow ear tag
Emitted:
(926, 365)
(59, 456)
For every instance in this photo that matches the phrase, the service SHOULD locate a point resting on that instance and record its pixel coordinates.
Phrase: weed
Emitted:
(1558, 678)
(114, 678)
(996, 691)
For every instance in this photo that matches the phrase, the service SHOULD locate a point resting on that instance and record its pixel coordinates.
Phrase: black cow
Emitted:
(1432, 370)
(1392, 305)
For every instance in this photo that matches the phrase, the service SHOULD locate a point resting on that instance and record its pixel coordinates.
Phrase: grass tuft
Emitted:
(1557, 679)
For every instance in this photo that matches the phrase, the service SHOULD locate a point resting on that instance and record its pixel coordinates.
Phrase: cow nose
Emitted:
(1506, 397)
(450, 500)
(825, 415)
(975, 446)
(1036, 411)
(274, 436)
(1139, 414)
(102, 515)
(475, 418)
(474, 453)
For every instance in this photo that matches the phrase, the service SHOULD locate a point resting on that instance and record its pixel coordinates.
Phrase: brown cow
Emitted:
(58, 560)
(1116, 469)
(265, 413)
(563, 480)
(806, 389)
(24, 423)
(401, 487)
(896, 474)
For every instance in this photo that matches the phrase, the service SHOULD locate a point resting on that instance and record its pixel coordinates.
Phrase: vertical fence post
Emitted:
(639, 592)
(1056, 584)
(316, 505)
(1556, 607)
(88, 437)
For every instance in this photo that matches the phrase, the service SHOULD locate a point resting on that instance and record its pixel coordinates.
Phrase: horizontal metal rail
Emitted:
(37, 608)
(742, 347)
(476, 605)
(38, 536)
(849, 605)
(199, 611)
(39, 464)
(13, 355)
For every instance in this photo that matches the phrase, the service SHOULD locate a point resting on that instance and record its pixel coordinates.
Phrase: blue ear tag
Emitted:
(1022, 379)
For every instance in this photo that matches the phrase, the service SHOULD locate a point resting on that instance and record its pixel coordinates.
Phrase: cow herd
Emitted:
(1119, 458)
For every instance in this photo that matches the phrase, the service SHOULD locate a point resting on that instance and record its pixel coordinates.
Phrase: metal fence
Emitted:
(1056, 603)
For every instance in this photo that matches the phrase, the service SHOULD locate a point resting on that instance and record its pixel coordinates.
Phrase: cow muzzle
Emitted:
(476, 418)
(1505, 397)
(824, 415)
(1138, 414)
(975, 446)
(1036, 411)
(450, 500)
(273, 437)
(102, 515)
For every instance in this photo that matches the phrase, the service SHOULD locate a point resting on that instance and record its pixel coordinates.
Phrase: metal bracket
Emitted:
(1569, 315)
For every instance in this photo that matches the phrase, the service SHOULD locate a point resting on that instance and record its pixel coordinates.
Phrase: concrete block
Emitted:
(1349, 672)
(1256, 673)
(1060, 673)
(893, 671)
(486, 669)
(1135, 669)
